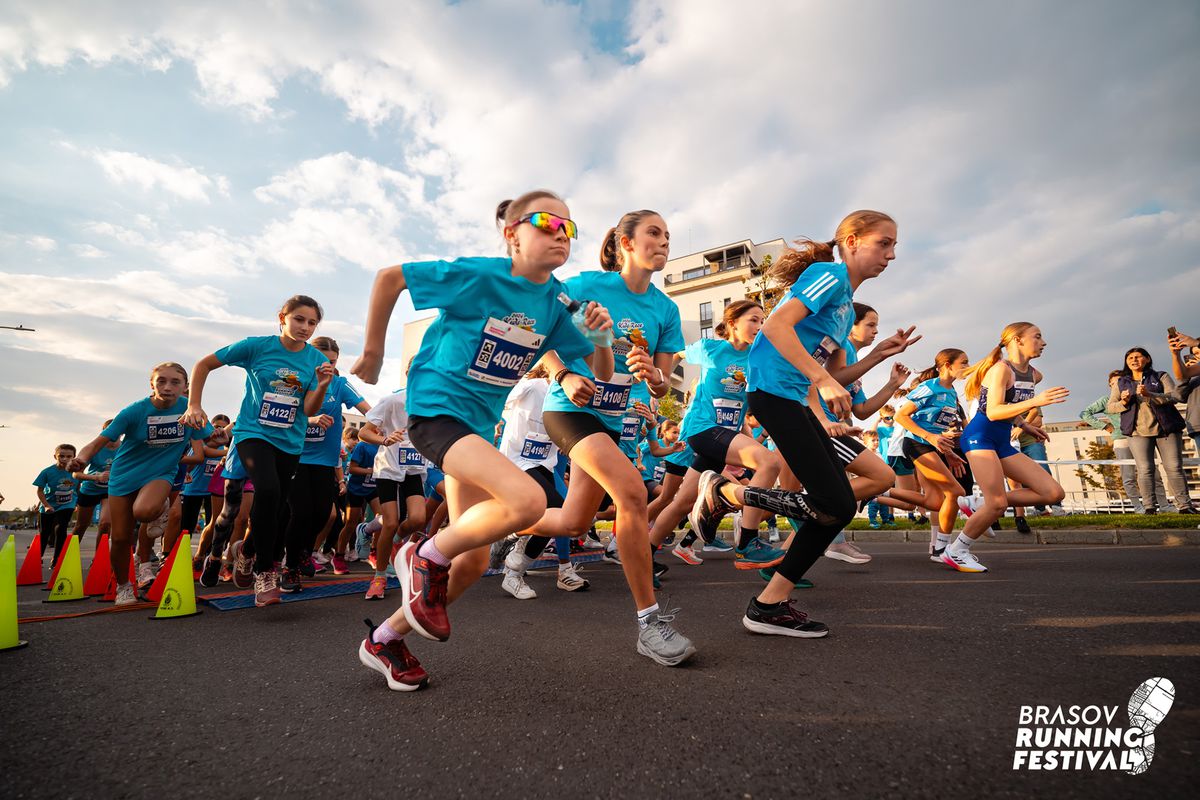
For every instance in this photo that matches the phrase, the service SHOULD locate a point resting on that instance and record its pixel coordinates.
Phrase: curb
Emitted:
(1169, 537)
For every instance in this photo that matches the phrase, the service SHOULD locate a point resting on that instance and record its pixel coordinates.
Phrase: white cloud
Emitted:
(43, 244)
(182, 181)
(88, 251)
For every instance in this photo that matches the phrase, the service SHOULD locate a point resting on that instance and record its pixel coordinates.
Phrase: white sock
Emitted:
(643, 616)
(962, 543)
(943, 539)
(934, 533)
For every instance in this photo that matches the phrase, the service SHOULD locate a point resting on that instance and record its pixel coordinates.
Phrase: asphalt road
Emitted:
(916, 692)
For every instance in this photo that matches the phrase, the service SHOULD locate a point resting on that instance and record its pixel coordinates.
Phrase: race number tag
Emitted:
(728, 412)
(163, 430)
(314, 434)
(278, 410)
(1022, 391)
(612, 396)
(210, 466)
(369, 481)
(506, 352)
(824, 351)
(660, 470)
(629, 428)
(947, 418)
(411, 457)
(536, 447)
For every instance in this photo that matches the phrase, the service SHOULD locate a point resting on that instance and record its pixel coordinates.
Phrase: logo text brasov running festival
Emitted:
(1090, 737)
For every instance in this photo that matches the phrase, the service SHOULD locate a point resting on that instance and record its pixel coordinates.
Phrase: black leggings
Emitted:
(223, 524)
(809, 452)
(53, 527)
(309, 502)
(271, 470)
(545, 479)
(192, 503)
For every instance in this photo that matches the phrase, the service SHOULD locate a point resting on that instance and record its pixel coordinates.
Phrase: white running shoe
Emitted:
(516, 560)
(968, 505)
(514, 583)
(126, 595)
(569, 580)
(963, 561)
(844, 551)
(145, 575)
(936, 555)
(158, 527)
(320, 557)
(687, 555)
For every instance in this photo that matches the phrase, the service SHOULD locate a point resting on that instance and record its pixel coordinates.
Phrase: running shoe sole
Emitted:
(666, 662)
(687, 557)
(370, 662)
(779, 630)
(949, 562)
(843, 557)
(706, 480)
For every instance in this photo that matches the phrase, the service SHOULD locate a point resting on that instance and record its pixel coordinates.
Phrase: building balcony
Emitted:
(709, 270)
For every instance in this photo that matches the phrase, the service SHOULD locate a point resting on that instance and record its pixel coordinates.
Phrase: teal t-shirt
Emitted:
(58, 486)
(720, 397)
(492, 327)
(825, 291)
(154, 442)
(937, 407)
(324, 447)
(199, 477)
(651, 464)
(99, 463)
(855, 389)
(651, 313)
(276, 381)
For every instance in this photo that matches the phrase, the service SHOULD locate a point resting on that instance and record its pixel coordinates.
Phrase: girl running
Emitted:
(93, 490)
(932, 420)
(497, 317)
(361, 493)
(286, 383)
(583, 413)
(1004, 382)
(315, 484)
(787, 363)
(56, 489)
(153, 443)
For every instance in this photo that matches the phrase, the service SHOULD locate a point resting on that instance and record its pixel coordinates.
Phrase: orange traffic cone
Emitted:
(31, 567)
(100, 572)
(160, 581)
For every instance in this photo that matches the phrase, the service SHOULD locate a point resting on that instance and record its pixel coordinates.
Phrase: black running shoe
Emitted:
(307, 569)
(659, 569)
(710, 507)
(290, 584)
(782, 620)
(1023, 526)
(211, 572)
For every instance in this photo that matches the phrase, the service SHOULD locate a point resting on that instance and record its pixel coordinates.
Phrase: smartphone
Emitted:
(1172, 332)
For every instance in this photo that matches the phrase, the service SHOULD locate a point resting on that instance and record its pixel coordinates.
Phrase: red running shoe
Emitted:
(423, 593)
(394, 661)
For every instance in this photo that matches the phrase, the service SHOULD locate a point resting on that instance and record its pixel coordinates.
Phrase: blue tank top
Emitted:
(1021, 390)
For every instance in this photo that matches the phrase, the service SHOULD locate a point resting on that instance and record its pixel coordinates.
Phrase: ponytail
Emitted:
(978, 371)
(942, 359)
(795, 260)
(611, 258)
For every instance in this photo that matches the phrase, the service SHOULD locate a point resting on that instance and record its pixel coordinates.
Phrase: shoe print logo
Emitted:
(1148, 707)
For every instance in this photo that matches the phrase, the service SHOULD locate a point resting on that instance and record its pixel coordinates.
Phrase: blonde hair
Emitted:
(169, 365)
(944, 358)
(978, 371)
(789, 266)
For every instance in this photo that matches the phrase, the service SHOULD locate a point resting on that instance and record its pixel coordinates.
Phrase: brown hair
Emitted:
(861, 310)
(300, 301)
(325, 343)
(944, 358)
(1116, 373)
(977, 371)
(509, 211)
(170, 365)
(70, 447)
(734, 312)
(220, 416)
(611, 257)
(794, 260)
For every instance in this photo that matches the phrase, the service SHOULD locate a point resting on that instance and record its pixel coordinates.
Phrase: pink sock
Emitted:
(430, 550)
(384, 634)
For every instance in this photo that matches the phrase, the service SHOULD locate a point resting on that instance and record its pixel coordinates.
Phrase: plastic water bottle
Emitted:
(578, 308)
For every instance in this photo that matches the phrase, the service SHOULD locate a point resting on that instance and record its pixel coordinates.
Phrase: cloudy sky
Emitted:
(170, 172)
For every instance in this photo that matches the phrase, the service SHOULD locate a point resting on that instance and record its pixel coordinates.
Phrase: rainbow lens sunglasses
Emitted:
(550, 223)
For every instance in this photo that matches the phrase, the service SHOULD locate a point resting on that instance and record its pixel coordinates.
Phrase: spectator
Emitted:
(1145, 399)
(1186, 366)
(1098, 416)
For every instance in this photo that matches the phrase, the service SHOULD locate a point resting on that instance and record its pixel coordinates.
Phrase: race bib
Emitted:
(163, 430)
(1022, 391)
(505, 353)
(536, 447)
(278, 410)
(660, 471)
(314, 434)
(369, 481)
(63, 495)
(629, 428)
(210, 466)
(824, 350)
(411, 457)
(728, 412)
(612, 396)
(947, 418)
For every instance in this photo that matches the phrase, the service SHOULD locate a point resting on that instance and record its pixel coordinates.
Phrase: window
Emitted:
(705, 313)
(706, 332)
(688, 274)
(727, 302)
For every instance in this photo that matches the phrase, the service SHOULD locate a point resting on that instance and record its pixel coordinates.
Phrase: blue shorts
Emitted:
(433, 477)
(989, 437)
(901, 465)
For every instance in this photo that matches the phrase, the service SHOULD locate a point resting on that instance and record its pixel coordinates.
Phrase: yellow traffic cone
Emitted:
(179, 595)
(8, 596)
(68, 583)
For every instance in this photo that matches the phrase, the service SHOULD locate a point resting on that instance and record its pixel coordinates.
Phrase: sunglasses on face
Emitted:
(550, 223)
(886, 419)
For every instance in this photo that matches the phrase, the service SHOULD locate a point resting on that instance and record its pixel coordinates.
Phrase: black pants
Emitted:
(223, 524)
(271, 470)
(309, 502)
(192, 503)
(545, 479)
(53, 527)
(809, 452)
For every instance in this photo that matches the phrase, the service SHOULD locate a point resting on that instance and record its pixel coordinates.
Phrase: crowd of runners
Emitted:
(532, 410)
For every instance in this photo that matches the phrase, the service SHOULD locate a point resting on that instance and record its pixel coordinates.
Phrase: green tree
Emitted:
(1106, 477)
(669, 407)
(761, 287)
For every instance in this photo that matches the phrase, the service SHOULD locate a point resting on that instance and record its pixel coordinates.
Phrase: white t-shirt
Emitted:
(398, 461)
(524, 441)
